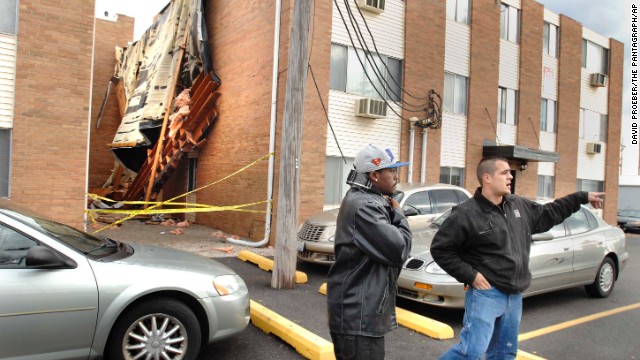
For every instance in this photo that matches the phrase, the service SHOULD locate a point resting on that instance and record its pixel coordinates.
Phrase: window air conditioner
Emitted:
(376, 6)
(371, 108)
(598, 80)
(594, 148)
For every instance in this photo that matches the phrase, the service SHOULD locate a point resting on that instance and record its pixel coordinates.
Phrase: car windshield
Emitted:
(92, 246)
(630, 213)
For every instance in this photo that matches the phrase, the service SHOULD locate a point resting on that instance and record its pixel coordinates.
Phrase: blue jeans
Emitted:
(491, 324)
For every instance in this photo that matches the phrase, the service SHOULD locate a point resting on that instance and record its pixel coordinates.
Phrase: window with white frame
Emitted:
(5, 152)
(590, 185)
(458, 10)
(548, 115)
(595, 58)
(550, 40)
(335, 186)
(545, 186)
(455, 93)
(452, 175)
(507, 106)
(8, 20)
(509, 23)
(593, 126)
(347, 73)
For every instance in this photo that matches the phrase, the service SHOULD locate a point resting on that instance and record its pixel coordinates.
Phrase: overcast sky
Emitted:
(609, 18)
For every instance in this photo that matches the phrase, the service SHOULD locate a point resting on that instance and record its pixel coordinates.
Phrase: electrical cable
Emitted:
(534, 131)
(494, 128)
(325, 113)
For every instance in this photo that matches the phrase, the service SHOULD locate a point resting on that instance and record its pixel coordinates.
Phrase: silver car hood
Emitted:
(329, 217)
(160, 257)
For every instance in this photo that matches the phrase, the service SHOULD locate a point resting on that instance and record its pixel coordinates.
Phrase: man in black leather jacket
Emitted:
(485, 243)
(372, 242)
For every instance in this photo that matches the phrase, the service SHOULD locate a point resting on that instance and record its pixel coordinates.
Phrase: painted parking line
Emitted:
(521, 355)
(415, 322)
(267, 264)
(575, 322)
(308, 344)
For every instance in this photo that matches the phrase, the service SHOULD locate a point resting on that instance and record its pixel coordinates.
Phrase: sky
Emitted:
(610, 18)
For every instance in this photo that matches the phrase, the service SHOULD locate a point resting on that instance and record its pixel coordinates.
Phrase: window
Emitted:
(9, 11)
(507, 106)
(545, 186)
(452, 175)
(420, 201)
(548, 116)
(443, 200)
(458, 10)
(193, 169)
(335, 186)
(590, 185)
(5, 153)
(455, 93)
(550, 40)
(13, 248)
(509, 23)
(593, 126)
(595, 58)
(348, 75)
(578, 223)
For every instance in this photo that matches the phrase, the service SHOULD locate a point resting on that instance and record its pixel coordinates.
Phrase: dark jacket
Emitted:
(372, 242)
(496, 240)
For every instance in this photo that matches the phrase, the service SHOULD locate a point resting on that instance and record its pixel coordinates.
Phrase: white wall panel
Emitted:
(506, 134)
(355, 132)
(454, 140)
(547, 143)
(509, 64)
(590, 166)
(7, 79)
(515, 3)
(551, 17)
(549, 84)
(595, 37)
(591, 97)
(387, 27)
(456, 48)
(546, 168)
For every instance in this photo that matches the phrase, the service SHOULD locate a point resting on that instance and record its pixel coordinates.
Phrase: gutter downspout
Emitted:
(86, 183)
(272, 136)
(412, 135)
(423, 163)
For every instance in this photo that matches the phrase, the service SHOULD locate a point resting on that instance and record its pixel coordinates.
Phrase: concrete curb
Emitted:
(267, 264)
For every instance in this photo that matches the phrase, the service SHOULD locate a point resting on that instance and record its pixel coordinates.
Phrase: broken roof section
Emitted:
(145, 71)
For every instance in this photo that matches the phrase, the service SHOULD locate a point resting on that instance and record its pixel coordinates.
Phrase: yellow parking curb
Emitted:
(305, 342)
(267, 264)
(416, 322)
(423, 324)
(526, 356)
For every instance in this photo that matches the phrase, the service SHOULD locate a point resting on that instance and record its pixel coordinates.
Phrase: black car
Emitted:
(629, 220)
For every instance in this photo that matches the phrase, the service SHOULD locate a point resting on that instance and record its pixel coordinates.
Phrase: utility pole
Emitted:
(284, 269)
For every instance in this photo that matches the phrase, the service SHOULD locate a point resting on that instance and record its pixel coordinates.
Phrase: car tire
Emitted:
(605, 280)
(176, 332)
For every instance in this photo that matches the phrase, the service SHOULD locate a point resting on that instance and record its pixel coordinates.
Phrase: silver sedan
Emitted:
(66, 294)
(582, 251)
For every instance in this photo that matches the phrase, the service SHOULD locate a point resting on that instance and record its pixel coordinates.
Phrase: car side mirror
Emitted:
(545, 236)
(410, 211)
(40, 257)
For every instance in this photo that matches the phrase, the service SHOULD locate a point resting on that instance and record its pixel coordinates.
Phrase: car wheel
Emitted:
(157, 329)
(605, 280)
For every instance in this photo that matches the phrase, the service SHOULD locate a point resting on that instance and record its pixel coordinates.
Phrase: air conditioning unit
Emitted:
(371, 108)
(599, 80)
(376, 6)
(594, 148)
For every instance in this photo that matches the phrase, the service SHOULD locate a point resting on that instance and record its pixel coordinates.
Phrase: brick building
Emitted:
(515, 80)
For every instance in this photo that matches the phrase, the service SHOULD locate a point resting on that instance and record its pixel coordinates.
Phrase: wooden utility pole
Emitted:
(284, 268)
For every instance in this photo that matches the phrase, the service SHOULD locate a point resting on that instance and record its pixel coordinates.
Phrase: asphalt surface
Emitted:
(610, 337)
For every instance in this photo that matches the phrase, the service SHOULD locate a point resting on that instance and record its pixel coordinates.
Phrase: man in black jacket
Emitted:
(485, 243)
(372, 242)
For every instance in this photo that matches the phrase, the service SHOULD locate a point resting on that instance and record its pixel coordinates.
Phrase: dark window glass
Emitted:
(420, 201)
(578, 223)
(13, 248)
(443, 200)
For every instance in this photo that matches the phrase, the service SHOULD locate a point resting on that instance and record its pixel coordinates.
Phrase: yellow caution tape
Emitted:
(191, 207)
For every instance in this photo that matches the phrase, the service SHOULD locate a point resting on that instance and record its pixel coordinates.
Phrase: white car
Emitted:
(421, 203)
